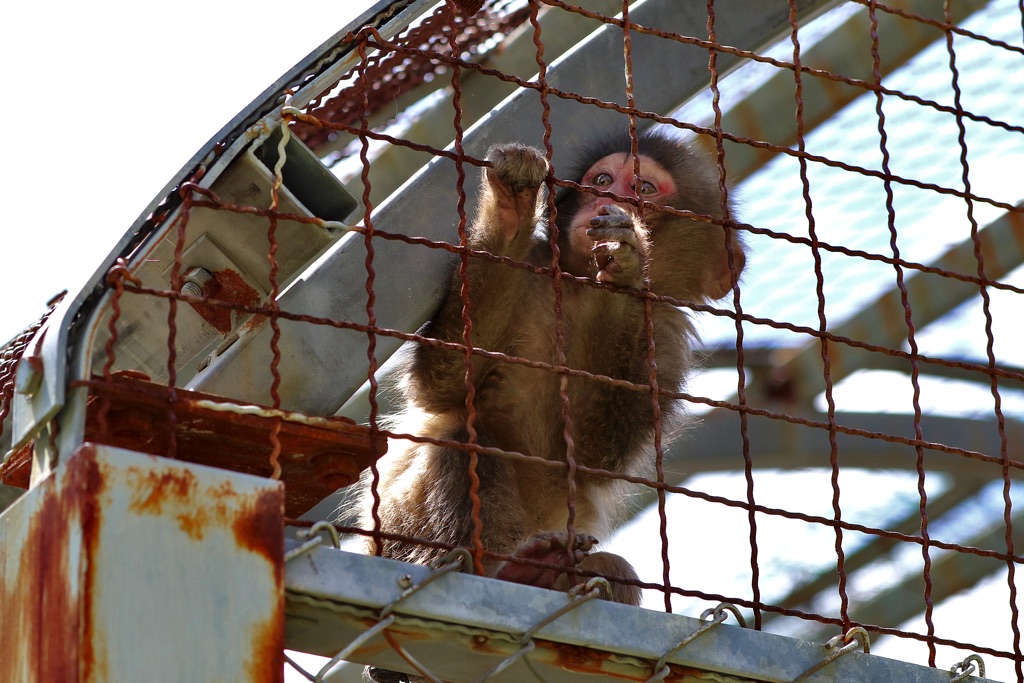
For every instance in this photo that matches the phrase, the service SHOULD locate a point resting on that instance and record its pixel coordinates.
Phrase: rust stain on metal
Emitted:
(371, 648)
(267, 661)
(17, 471)
(253, 323)
(260, 530)
(39, 599)
(230, 287)
(384, 643)
(483, 645)
(47, 632)
(410, 634)
(580, 659)
(85, 485)
(153, 489)
(684, 674)
(588, 661)
(318, 456)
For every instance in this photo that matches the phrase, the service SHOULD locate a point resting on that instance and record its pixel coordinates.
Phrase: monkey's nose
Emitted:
(605, 201)
(624, 189)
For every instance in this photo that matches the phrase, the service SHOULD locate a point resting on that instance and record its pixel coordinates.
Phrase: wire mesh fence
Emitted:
(849, 457)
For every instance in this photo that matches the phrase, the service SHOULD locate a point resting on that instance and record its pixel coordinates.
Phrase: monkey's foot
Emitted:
(617, 246)
(549, 547)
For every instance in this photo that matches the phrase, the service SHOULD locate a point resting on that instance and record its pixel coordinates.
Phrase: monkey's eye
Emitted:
(602, 180)
(648, 188)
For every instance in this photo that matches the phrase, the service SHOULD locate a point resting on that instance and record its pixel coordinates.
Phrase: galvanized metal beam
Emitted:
(777, 443)
(395, 164)
(877, 546)
(409, 278)
(761, 361)
(951, 573)
(75, 321)
(9, 494)
(334, 597)
(930, 296)
(766, 113)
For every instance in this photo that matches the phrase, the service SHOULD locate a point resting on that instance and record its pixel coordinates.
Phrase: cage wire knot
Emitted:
(119, 273)
(961, 670)
(457, 559)
(313, 540)
(841, 645)
(578, 595)
(718, 615)
(289, 112)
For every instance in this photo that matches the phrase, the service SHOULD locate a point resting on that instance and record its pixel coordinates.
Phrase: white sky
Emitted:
(103, 102)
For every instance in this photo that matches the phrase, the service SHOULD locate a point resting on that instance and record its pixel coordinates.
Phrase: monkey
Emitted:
(627, 244)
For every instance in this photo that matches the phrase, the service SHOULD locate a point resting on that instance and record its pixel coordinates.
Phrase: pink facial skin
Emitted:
(614, 173)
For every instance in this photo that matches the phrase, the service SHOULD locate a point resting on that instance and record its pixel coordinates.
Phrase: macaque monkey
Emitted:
(425, 488)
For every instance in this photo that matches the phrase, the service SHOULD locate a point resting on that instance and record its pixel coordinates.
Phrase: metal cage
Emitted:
(201, 406)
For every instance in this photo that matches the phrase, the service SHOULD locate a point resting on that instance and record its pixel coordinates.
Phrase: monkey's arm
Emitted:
(503, 226)
(691, 262)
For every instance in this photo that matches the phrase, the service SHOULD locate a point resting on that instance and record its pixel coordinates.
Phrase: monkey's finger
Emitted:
(618, 250)
(585, 542)
(617, 264)
(615, 234)
(614, 210)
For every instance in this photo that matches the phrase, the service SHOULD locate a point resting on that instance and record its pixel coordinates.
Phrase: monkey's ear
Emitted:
(720, 278)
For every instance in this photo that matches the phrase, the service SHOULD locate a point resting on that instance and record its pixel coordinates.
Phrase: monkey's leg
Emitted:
(620, 246)
(549, 547)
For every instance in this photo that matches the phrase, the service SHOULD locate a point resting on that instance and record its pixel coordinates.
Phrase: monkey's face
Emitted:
(614, 173)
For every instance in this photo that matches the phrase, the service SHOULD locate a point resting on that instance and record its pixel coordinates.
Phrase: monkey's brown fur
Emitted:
(425, 489)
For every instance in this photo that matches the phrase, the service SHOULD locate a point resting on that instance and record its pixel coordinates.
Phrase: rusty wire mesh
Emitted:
(753, 342)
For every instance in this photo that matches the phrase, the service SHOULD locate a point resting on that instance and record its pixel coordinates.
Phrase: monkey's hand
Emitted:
(513, 183)
(620, 246)
(548, 547)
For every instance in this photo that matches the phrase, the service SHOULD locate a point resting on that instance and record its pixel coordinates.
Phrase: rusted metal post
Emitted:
(121, 566)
